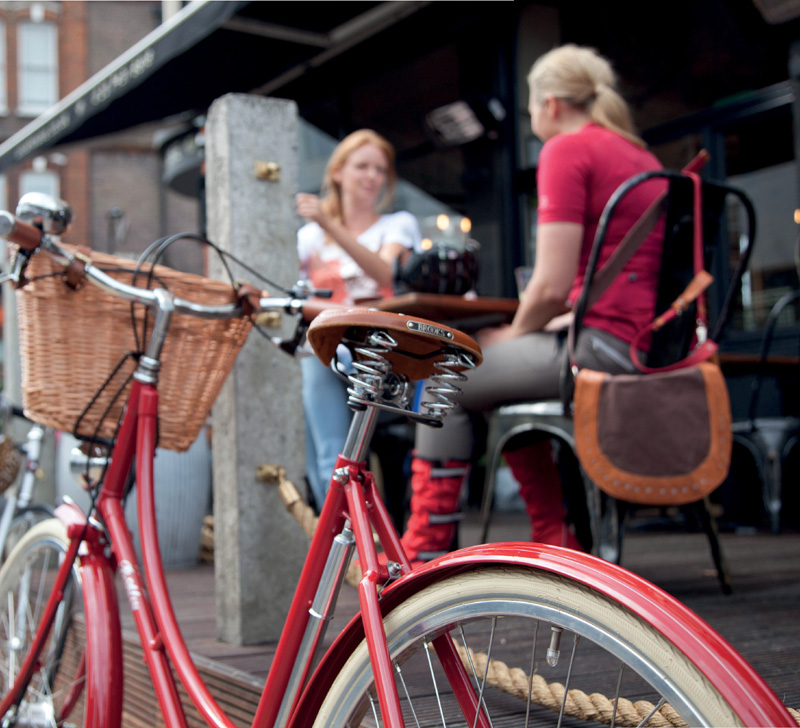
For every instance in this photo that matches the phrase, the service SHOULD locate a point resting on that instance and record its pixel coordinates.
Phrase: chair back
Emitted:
(675, 207)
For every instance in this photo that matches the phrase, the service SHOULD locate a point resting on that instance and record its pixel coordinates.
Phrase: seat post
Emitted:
(362, 427)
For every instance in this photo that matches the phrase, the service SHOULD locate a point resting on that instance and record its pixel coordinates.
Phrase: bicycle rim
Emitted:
(611, 666)
(54, 696)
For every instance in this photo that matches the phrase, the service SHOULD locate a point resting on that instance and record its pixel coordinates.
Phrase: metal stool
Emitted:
(547, 419)
(605, 514)
(769, 439)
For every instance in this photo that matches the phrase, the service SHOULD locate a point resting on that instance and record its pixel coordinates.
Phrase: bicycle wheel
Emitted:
(54, 695)
(24, 522)
(544, 638)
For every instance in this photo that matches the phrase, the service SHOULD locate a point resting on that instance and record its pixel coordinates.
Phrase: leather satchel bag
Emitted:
(662, 437)
(655, 439)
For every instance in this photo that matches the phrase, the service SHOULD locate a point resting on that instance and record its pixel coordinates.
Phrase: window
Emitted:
(760, 161)
(45, 182)
(3, 69)
(752, 145)
(37, 67)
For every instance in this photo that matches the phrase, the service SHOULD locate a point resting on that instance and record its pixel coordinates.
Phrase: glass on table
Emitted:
(522, 274)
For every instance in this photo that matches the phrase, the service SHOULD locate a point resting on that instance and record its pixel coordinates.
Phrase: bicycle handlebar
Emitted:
(30, 237)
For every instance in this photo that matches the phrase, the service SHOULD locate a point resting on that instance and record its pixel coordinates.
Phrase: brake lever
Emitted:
(303, 290)
(290, 346)
(15, 275)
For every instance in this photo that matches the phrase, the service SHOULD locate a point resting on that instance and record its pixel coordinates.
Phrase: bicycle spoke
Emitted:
(530, 673)
(616, 696)
(468, 652)
(651, 713)
(576, 639)
(25, 614)
(42, 592)
(67, 688)
(401, 677)
(481, 700)
(374, 705)
(12, 640)
(427, 647)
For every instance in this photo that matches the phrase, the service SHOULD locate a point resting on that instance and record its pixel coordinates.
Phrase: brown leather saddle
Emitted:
(421, 344)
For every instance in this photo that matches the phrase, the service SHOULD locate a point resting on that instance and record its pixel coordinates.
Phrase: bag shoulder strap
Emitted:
(695, 291)
(626, 248)
(635, 236)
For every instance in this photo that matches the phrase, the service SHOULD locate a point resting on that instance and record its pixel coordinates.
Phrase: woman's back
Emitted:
(578, 173)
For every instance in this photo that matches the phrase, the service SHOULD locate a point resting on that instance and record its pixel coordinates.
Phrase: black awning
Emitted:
(126, 92)
(208, 49)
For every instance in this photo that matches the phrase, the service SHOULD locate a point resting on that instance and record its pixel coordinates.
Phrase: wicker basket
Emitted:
(71, 341)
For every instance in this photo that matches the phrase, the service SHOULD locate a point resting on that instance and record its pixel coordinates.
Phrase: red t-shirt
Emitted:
(578, 172)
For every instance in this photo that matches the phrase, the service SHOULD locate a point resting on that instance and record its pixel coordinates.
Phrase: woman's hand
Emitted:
(497, 334)
(310, 207)
(494, 335)
(378, 266)
(559, 323)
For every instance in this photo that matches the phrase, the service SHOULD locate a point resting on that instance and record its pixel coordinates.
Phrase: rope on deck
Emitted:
(305, 516)
(595, 707)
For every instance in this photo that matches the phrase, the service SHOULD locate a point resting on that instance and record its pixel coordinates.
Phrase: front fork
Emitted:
(101, 661)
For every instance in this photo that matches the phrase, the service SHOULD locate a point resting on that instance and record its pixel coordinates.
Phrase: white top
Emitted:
(329, 266)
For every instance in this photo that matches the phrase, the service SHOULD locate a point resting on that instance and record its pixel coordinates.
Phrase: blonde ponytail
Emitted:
(583, 78)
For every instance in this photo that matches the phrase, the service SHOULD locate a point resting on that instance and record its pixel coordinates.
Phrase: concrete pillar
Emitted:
(257, 419)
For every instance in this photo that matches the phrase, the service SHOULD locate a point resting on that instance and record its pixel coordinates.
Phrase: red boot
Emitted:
(435, 492)
(540, 487)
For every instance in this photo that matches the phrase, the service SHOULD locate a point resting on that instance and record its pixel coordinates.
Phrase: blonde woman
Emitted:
(590, 149)
(349, 246)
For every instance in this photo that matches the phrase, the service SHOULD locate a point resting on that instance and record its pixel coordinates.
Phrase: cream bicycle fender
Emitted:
(725, 668)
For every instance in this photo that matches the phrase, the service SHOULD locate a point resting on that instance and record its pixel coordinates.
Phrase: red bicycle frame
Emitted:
(352, 499)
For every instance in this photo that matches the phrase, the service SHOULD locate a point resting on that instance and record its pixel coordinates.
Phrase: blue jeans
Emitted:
(327, 420)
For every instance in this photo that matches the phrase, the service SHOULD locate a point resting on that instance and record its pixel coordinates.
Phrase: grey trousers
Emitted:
(522, 369)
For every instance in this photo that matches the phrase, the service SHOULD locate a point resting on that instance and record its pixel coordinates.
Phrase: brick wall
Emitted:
(118, 172)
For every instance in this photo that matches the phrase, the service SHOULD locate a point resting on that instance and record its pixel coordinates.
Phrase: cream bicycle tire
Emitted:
(509, 593)
(23, 522)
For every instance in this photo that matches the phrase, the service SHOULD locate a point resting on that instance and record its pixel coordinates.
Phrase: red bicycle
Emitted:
(499, 634)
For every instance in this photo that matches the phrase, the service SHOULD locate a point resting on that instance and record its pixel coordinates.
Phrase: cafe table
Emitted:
(465, 313)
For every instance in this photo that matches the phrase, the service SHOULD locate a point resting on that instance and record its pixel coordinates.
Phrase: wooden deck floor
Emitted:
(760, 618)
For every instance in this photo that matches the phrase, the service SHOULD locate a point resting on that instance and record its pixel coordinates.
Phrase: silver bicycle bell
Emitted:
(52, 215)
